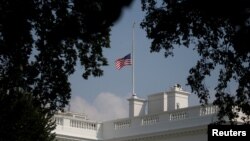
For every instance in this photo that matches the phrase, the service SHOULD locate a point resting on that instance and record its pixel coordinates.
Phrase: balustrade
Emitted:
(149, 120)
(122, 124)
(178, 115)
(83, 124)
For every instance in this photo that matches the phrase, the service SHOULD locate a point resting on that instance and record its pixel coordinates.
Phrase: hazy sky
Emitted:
(105, 97)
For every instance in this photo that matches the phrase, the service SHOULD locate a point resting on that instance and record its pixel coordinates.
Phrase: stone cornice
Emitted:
(165, 134)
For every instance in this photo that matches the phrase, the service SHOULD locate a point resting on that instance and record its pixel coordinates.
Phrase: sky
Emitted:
(105, 97)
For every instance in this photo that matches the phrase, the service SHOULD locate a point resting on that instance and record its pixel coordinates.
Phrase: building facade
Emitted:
(164, 116)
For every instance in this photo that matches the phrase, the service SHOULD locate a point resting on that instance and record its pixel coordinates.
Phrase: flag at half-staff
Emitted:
(124, 61)
(128, 60)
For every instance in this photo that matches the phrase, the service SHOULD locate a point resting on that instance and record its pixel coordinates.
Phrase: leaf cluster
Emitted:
(41, 42)
(22, 121)
(220, 31)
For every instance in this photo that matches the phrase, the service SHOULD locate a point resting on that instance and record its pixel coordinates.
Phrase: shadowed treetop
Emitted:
(220, 31)
(40, 43)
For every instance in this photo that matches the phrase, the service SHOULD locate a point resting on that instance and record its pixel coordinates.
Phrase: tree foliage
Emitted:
(42, 40)
(220, 31)
(22, 121)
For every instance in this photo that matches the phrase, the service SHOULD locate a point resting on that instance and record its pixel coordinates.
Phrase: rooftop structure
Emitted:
(168, 116)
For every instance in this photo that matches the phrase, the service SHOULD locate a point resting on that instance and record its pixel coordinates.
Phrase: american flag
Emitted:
(121, 62)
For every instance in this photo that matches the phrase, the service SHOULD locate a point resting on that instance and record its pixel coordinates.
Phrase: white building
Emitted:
(168, 117)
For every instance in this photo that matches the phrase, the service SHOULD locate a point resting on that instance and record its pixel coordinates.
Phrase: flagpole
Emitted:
(133, 63)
